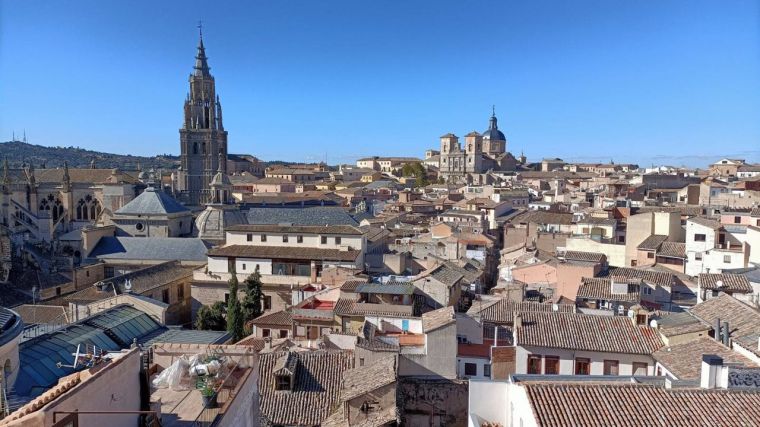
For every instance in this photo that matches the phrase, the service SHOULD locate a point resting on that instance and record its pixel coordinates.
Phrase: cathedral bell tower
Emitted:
(203, 140)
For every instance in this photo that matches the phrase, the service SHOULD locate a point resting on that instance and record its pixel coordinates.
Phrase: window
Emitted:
(737, 220)
(139, 226)
(283, 333)
(165, 295)
(263, 237)
(361, 361)
(610, 367)
(727, 259)
(650, 255)
(700, 237)
(337, 240)
(534, 364)
(181, 292)
(487, 370)
(249, 237)
(647, 290)
(582, 366)
(87, 273)
(265, 333)
(639, 368)
(267, 302)
(698, 256)
(299, 239)
(283, 382)
(284, 238)
(323, 240)
(470, 369)
(551, 365)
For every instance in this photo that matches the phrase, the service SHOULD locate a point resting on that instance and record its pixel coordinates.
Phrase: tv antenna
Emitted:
(76, 355)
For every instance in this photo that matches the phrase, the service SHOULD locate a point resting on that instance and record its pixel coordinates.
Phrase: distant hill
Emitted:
(19, 152)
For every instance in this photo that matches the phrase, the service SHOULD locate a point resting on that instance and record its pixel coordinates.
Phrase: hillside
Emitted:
(19, 152)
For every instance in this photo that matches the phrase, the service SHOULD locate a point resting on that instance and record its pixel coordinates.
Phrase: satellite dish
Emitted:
(719, 284)
(128, 285)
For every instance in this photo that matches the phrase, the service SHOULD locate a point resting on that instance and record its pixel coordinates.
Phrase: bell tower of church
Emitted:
(203, 140)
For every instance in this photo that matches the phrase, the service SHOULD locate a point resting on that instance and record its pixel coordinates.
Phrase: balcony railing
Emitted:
(227, 389)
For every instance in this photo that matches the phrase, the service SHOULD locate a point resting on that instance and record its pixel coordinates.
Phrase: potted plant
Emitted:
(208, 393)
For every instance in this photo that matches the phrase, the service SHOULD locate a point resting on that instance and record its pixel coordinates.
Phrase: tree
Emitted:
(234, 313)
(211, 318)
(252, 303)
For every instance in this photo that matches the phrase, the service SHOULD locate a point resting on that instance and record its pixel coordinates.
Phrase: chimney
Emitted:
(716, 328)
(713, 372)
(518, 321)
(725, 334)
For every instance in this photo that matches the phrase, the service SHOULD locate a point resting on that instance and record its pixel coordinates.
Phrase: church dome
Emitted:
(493, 133)
(215, 219)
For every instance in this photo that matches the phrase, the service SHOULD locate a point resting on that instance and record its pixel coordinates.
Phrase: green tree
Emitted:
(234, 313)
(211, 318)
(252, 303)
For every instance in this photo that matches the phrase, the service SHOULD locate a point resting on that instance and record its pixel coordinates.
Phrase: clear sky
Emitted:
(655, 81)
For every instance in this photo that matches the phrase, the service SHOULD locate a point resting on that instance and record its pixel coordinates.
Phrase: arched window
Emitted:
(81, 209)
(195, 148)
(57, 210)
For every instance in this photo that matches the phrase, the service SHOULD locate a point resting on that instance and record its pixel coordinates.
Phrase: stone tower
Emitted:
(473, 146)
(203, 140)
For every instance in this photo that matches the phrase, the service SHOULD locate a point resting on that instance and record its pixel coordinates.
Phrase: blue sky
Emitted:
(662, 81)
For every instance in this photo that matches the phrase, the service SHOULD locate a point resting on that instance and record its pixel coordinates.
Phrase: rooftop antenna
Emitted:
(76, 355)
(200, 28)
(24, 136)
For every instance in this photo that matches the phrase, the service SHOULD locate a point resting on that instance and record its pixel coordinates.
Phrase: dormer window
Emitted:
(284, 382)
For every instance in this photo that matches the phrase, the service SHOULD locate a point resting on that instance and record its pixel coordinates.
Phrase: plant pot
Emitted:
(209, 401)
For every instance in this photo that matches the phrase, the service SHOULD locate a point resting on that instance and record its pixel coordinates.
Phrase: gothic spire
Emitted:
(201, 61)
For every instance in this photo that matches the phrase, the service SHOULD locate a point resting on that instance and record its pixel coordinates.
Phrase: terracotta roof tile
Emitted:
(584, 256)
(685, 360)
(672, 250)
(315, 391)
(636, 405)
(601, 288)
(652, 242)
(503, 311)
(435, 319)
(730, 282)
(659, 278)
(610, 334)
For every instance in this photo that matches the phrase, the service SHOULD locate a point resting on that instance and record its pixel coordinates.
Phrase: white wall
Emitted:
(479, 361)
(395, 324)
(357, 242)
(487, 401)
(693, 247)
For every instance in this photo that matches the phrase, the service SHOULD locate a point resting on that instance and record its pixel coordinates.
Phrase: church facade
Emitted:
(203, 140)
(481, 153)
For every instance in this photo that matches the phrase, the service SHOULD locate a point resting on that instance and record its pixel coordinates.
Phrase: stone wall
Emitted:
(431, 402)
